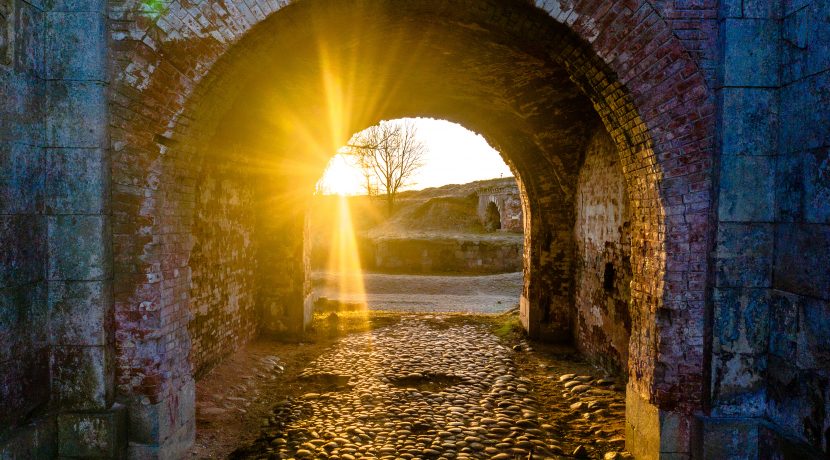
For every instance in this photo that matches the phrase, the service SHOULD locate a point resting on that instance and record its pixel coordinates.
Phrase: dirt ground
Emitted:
(422, 293)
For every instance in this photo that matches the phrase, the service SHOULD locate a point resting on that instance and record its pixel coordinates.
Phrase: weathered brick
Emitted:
(603, 257)
(223, 281)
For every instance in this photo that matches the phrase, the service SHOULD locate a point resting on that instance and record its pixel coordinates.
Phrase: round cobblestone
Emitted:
(420, 391)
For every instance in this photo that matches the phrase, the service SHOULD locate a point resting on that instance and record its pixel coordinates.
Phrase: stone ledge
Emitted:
(156, 424)
(93, 434)
(754, 438)
(175, 447)
(35, 440)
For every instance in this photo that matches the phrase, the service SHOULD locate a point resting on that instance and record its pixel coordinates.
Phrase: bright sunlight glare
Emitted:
(454, 155)
(342, 177)
(344, 256)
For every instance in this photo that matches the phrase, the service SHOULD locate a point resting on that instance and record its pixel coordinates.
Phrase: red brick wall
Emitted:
(603, 261)
(662, 121)
(223, 260)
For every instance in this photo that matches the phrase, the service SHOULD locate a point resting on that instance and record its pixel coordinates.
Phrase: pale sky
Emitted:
(454, 155)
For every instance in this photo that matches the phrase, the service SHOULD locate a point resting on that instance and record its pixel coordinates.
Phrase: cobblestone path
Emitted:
(423, 390)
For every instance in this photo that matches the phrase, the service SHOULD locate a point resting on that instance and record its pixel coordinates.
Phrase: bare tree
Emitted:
(390, 153)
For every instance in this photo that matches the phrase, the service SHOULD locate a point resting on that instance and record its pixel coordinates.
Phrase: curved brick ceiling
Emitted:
(312, 87)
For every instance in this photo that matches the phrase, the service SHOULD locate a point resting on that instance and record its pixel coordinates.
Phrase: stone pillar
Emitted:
(798, 366)
(163, 427)
(79, 271)
(748, 106)
(24, 347)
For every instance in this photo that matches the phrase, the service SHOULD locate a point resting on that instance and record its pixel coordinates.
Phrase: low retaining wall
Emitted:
(442, 256)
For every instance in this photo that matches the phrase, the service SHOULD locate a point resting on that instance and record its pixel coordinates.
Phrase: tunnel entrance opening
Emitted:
(254, 133)
(432, 253)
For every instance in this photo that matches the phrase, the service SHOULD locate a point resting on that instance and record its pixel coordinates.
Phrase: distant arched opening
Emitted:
(492, 217)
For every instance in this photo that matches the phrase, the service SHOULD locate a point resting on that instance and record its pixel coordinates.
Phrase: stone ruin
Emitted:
(500, 207)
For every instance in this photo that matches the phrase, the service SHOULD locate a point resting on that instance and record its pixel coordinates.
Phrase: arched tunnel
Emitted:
(276, 106)
(357, 66)
(165, 226)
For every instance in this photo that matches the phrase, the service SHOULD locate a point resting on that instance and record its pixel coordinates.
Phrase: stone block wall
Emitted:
(414, 255)
(509, 204)
(284, 297)
(24, 338)
(223, 260)
(798, 392)
(771, 301)
(603, 265)
(748, 99)
(77, 182)
(56, 324)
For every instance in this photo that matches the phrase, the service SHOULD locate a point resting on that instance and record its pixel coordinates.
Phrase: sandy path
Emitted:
(483, 294)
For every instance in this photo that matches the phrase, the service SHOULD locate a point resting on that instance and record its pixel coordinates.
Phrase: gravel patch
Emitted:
(417, 293)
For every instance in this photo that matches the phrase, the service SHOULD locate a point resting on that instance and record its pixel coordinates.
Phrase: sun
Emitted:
(342, 177)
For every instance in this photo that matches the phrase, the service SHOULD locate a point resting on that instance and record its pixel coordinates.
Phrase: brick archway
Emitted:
(181, 72)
